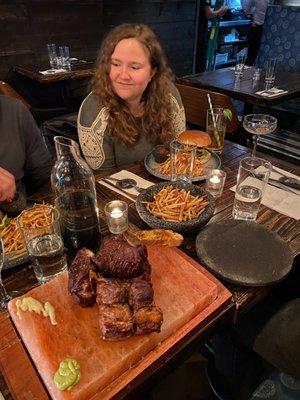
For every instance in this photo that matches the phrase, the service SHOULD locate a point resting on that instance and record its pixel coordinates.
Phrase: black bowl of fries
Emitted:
(179, 206)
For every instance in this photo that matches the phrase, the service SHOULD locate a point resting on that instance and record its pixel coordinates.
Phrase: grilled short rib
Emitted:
(111, 291)
(81, 285)
(140, 294)
(119, 259)
(116, 322)
(148, 319)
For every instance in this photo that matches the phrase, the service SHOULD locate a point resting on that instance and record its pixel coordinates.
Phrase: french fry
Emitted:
(181, 165)
(37, 216)
(174, 204)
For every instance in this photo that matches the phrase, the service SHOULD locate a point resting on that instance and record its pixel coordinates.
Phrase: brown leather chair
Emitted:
(40, 114)
(9, 91)
(196, 104)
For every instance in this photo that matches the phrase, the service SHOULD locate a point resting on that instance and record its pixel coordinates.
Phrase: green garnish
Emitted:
(227, 113)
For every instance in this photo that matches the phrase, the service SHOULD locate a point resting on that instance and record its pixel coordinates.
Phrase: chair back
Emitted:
(280, 38)
(196, 104)
(7, 90)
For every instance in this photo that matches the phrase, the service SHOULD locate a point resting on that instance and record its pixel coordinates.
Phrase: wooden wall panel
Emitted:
(26, 26)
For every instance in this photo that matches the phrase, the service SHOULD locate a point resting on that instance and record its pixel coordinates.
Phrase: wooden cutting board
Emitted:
(186, 293)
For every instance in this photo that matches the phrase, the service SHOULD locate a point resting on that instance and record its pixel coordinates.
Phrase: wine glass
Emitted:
(4, 296)
(259, 124)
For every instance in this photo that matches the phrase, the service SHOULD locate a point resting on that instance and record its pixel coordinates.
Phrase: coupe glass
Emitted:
(259, 124)
(4, 296)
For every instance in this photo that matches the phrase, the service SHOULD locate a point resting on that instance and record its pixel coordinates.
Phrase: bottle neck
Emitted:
(66, 147)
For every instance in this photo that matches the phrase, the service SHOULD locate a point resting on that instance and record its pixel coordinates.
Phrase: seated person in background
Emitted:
(25, 163)
(134, 104)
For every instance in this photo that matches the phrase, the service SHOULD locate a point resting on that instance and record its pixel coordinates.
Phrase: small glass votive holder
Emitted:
(116, 213)
(215, 180)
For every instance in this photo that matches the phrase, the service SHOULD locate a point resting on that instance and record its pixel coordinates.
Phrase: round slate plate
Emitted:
(244, 252)
(186, 226)
(151, 166)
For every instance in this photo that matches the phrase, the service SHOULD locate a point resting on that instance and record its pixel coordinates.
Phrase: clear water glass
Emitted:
(51, 47)
(252, 179)
(240, 64)
(5, 296)
(270, 70)
(45, 246)
(64, 54)
(182, 161)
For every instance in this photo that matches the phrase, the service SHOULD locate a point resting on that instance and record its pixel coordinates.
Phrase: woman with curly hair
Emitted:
(134, 105)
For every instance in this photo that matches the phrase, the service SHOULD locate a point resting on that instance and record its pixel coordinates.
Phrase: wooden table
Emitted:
(244, 89)
(78, 70)
(244, 298)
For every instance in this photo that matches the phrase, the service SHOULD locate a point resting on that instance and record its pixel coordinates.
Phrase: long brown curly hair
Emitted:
(156, 120)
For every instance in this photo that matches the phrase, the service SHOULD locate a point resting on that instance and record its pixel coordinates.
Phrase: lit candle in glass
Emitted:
(116, 213)
(215, 180)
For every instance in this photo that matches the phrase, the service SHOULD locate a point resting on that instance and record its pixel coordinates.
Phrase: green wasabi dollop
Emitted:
(68, 374)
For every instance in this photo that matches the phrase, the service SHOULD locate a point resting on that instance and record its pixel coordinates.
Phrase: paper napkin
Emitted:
(282, 201)
(123, 175)
(52, 71)
(272, 92)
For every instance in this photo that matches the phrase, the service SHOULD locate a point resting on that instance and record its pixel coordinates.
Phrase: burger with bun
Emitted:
(197, 138)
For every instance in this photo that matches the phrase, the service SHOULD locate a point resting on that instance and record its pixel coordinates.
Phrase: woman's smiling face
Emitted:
(130, 69)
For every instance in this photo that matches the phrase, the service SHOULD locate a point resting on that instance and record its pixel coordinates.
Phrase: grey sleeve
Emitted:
(38, 163)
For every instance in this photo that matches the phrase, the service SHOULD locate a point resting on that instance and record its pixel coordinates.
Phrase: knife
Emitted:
(132, 196)
(281, 185)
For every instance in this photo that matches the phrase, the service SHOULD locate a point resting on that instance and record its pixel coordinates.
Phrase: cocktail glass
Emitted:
(4, 295)
(259, 124)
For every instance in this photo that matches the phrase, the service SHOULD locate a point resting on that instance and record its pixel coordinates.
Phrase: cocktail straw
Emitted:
(214, 120)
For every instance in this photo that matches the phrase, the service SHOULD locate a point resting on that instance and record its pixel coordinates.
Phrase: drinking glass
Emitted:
(45, 246)
(51, 47)
(4, 295)
(64, 54)
(240, 64)
(252, 178)
(259, 124)
(216, 128)
(182, 161)
(270, 70)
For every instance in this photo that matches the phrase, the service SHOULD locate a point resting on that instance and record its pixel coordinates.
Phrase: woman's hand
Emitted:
(7, 185)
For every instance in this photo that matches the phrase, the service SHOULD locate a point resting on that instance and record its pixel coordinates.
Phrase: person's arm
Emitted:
(210, 13)
(248, 6)
(7, 185)
(38, 163)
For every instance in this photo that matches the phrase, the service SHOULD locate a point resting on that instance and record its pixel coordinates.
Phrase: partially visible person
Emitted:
(25, 164)
(134, 104)
(206, 12)
(258, 10)
(270, 331)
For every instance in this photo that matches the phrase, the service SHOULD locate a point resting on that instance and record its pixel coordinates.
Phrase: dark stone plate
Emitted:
(185, 226)
(244, 252)
(151, 166)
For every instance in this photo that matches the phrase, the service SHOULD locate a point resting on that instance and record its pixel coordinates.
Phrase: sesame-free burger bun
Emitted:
(198, 138)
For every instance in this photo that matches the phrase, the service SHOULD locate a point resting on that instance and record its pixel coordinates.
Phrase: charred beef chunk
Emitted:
(111, 291)
(81, 285)
(119, 259)
(116, 322)
(148, 319)
(140, 294)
